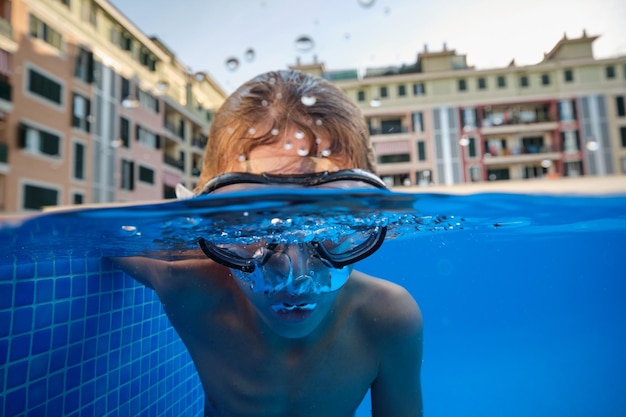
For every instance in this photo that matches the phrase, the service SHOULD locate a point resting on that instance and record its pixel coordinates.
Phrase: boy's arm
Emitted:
(396, 391)
(144, 270)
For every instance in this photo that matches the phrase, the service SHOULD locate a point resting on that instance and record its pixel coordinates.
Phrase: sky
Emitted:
(263, 35)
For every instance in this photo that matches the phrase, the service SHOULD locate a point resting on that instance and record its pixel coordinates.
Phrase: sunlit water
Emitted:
(522, 296)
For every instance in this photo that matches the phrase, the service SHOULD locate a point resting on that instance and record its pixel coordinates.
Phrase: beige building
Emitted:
(92, 109)
(440, 121)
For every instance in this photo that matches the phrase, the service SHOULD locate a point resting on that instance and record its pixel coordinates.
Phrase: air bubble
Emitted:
(299, 135)
(232, 64)
(249, 55)
(304, 43)
(303, 151)
(275, 132)
(308, 100)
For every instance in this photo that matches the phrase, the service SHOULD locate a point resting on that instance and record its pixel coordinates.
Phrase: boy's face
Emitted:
(296, 310)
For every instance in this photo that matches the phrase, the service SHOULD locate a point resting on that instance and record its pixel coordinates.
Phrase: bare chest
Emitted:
(243, 375)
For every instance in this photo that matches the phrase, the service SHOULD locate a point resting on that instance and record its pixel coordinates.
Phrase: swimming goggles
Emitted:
(335, 253)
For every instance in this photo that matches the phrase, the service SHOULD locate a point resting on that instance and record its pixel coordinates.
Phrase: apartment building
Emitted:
(440, 121)
(92, 109)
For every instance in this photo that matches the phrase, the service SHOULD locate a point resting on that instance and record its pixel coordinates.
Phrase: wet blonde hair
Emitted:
(278, 101)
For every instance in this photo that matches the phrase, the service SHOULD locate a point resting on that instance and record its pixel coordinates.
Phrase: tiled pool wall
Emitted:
(80, 338)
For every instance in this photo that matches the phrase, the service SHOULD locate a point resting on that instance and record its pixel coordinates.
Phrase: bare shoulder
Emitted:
(389, 310)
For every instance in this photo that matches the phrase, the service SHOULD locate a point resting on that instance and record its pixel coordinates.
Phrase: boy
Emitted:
(290, 330)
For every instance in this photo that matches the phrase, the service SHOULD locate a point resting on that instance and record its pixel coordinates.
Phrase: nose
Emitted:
(304, 268)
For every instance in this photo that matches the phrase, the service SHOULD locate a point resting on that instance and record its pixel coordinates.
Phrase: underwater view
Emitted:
(522, 298)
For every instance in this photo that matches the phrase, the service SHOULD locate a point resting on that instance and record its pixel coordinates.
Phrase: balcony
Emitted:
(199, 142)
(4, 158)
(173, 162)
(522, 154)
(393, 130)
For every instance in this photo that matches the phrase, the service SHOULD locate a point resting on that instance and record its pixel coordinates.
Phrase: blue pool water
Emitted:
(522, 298)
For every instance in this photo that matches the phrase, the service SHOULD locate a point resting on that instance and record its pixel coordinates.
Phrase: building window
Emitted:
(125, 132)
(383, 92)
(43, 86)
(501, 81)
(401, 90)
(567, 110)
(418, 121)
(128, 175)
(570, 141)
(36, 197)
(469, 118)
(78, 198)
(391, 126)
(81, 113)
(126, 41)
(482, 83)
(419, 89)
(79, 161)
(147, 59)
(610, 72)
(148, 101)
(38, 141)
(471, 147)
(41, 30)
(65, 2)
(89, 12)
(545, 79)
(361, 95)
(568, 75)
(421, 150)
(392, 159)
(462, 85)
(84, 66)
(146, 175)
(619, 105)
(622, 135)
(147, 138)
(523, 81)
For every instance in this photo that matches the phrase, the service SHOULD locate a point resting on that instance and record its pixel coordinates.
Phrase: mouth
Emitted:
(292, 307)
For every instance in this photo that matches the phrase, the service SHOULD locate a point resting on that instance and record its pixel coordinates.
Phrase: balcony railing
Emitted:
(522, 150)
(174, 162)
(388, 131)
(199, 142)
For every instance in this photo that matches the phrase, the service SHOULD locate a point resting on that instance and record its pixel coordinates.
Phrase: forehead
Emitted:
(292, 153)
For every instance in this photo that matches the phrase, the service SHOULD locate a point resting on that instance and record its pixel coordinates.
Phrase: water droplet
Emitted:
(288, 145)
(272, 80)
(308, 100)
(326, 152)
(375, 102)
(199, 76)
(229, 130)
(546, 163)
(366, 3)
(249, 54)
(241, 158)
(252, 131)
(304, 43)
(299, 135)
(346, 35)
(592, 145)
(232, 64)
(387, 10)
(129, 228)
(318, 122)
(116, 143)
(246, 214)
(303, 151)
(318, 141)
(279, 95)
(464, 141)
(275, 132)
(264, 103)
